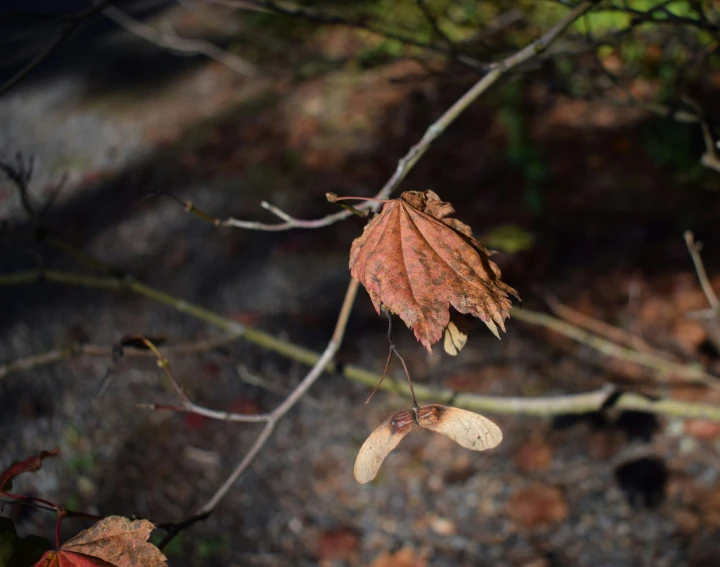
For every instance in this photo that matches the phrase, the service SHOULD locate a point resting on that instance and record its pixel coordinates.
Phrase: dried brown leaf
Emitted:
(538, 505)
(112, 542)
(468, 429)
(417, 261)
(405, 557)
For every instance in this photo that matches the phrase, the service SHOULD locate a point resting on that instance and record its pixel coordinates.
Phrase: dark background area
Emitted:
(585, 193)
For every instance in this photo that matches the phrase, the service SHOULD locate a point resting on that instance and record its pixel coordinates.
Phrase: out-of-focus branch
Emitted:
(408, 162)
(57, 355)
(694, 249)
(299, 12)
(180, 45)
(74, 22)
(272, 418)
(666, 369)
(710, 158)
(713, 322)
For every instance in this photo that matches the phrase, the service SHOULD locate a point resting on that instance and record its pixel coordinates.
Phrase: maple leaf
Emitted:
(30, 464)
(112, 542)
(416, 261)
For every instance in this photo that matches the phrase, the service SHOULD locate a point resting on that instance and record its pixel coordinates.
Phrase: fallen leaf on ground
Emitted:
(416, 261)
(26, 465)
(338, 544)
(535, 455)
(537, 505)
(702, 428)
(468, 429)
(405, 557)
(112, 542)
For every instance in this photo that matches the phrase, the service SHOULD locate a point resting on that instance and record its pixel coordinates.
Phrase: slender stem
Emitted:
(308, 357)
(279, 412)
(176, 44)
(665, 369)
(74, 24)
(694, 249)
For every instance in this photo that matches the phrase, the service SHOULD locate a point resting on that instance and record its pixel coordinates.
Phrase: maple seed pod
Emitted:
(456, 333)
(467, 429)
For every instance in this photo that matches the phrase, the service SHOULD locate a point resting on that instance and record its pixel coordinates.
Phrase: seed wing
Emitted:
(379, 445)
(468, 429)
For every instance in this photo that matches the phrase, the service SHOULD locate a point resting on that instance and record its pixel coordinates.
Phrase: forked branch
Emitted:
(436, 129)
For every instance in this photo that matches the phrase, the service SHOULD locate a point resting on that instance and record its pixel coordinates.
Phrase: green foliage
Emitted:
(670, 144)
(508, 238)
(177, 546)
(16, 551)
(213, 547)
(522, 152)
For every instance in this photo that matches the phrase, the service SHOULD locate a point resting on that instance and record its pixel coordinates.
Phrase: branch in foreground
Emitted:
(409, 160)
(666, 369)
(271, 419)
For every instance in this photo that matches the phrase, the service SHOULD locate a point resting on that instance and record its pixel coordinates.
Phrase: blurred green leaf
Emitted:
(509, 238)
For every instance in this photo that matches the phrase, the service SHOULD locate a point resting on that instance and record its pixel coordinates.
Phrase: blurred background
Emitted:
(583, 168)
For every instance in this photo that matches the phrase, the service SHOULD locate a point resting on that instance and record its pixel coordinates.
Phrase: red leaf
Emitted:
(27, 465)
(416, 261)
(112, 542)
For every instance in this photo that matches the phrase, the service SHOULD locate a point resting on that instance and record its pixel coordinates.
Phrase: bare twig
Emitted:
(299, 12)
(615, 334)
(694, 249)
(710, 158)
(487, 403)
(665, 369)
(432, 20)
(713, 322)
(57, 355)
(180, 45)
(408, 162)
(277, 414)
(75, 22)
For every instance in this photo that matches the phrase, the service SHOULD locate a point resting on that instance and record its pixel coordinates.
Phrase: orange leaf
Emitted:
(112, 542)
(416, 261)
(27, 465)
(405, 557)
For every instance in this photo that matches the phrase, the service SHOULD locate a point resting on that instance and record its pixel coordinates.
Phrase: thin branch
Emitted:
(299, 12)
(529, 406)
(432, 20)
(74, 23)
(666, 370)
(57, 355)
(408, 162)
(694, 249)
(713, 322)
(614, 334)
(710, 158)
(663, 367)
(180, 45)
(279, 412)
